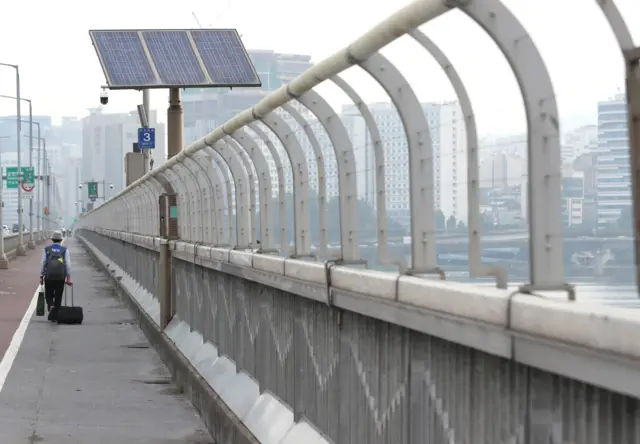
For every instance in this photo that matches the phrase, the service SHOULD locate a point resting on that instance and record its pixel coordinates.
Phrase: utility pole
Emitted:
(20, 251)
(146, 152)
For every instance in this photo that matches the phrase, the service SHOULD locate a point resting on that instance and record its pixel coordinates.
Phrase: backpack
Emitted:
(55, 267)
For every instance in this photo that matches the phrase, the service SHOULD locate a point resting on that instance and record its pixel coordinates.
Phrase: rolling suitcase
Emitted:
(40, 303)
(70, 314)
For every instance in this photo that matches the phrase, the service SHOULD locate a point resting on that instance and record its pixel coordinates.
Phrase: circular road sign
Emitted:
(27, 188)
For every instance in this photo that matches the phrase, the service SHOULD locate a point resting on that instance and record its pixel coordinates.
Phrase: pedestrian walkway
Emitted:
(99, 382)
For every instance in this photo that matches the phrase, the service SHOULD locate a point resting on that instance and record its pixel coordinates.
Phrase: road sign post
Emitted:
(92, 190)
(14, 180)
(146, 138)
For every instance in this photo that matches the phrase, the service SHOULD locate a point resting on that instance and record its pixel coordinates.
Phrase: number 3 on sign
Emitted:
(146, 137)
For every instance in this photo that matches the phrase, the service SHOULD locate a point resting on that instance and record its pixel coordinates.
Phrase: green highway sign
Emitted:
(92, 190)
(28, 176)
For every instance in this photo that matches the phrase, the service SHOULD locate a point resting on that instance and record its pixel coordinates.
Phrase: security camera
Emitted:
(111, 186)
(104, 96)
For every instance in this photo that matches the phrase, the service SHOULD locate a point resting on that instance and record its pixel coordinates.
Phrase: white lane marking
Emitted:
(16, 340)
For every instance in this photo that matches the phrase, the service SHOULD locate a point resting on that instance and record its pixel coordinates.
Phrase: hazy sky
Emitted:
(61, 73)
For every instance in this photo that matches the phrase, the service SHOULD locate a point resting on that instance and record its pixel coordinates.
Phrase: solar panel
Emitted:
(123, 59)
(173, 57)
(178, 58)
(225, 57)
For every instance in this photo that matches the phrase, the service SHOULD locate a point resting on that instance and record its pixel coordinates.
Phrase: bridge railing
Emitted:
(367, 356)
(222, 201)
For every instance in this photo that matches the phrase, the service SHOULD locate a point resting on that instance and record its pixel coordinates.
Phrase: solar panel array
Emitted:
(140, 59)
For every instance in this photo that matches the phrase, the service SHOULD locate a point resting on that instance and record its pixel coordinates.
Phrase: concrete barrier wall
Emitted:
(11, 242)
(362, 364)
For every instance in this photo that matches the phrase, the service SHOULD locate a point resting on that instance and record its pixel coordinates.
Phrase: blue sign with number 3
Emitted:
(146, 138)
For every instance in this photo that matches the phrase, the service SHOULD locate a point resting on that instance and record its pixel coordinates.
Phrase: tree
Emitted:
(367, 220)
(461, 226)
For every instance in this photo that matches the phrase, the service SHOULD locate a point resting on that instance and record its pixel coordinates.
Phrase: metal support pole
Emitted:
(4, 262)
(46, 196)
(43, 183)
(21, 250)
(175, 123)
(632, 59)
(164, 284)
(147, 111)
(37, 190)
(32, 241)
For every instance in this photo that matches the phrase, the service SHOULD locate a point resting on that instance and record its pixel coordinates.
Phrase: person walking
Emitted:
(55, 272)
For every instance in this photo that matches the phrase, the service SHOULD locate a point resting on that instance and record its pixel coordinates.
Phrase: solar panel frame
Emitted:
(102, 57)
(172, 62)
(240, 49)
(158, 84)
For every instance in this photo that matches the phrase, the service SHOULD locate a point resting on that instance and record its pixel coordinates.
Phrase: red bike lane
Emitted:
(17, 287)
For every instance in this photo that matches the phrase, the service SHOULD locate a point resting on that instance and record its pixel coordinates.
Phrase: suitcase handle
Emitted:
(65, 294)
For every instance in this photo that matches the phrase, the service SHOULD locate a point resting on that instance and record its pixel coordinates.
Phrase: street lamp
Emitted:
(32, 243)
(20, 251)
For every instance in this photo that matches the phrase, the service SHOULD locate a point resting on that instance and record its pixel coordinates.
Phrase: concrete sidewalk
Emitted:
(97, 383)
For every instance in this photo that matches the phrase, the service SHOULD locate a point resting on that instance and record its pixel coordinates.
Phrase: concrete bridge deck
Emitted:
(99, 382)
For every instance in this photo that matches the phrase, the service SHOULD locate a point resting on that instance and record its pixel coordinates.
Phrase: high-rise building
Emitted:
(8, 130)
(207, 108)
(396, 155)
(501, 170)
(613, 173)
(579, 141)
(452, 161)
(106, 138)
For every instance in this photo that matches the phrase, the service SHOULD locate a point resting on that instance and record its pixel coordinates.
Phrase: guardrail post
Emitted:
(164, 284)
(168, 214)
(632, 59)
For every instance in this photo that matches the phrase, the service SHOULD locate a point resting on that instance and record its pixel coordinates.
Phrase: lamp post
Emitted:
(32, 243)
(4, 262)
(20, 251)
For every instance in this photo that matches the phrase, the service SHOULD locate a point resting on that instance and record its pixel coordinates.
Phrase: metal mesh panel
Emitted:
(361, 380)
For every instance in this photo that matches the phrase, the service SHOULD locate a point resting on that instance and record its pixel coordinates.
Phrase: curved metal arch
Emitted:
(378, 156)
(297, 159)
(138, 194)
(281, 189)
(251, 179)
(150, 194)
(544, 160)
(224, 173)
(476, 267)
(264, 178)
(149, 218)
(166, 184)
(200, 158)
(346, 164)
(617, 23)
(192, 173)
(194, 197)
(423, 239)
(222, 236)
(322, 180)
(129, 212)
(240, 178)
